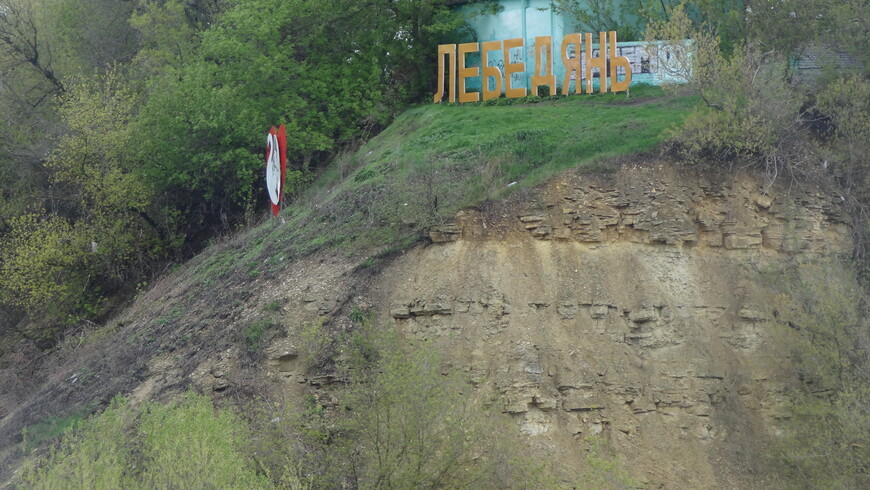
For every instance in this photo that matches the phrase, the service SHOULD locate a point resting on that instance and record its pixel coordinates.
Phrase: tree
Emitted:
(332, 72)
(402, 420)
(89, 36)
(603, 15)
(22, 39)
(751, 113)
(61, 260)
(43, 264)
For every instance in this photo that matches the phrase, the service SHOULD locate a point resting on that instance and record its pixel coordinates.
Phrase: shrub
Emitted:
(751, 112)
(94, 455)
(192, 444)
(823, 325)
(404, 421)
(188, 443)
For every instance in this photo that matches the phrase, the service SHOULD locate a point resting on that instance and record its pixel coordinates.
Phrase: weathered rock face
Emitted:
(627, 308)
(657, 206)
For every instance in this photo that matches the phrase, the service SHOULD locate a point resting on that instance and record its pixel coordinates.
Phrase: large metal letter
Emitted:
(600, 62)
(450, 51)
(572, 65)
(616, 62)
(511, 68)
(467, 72)
(544, 43)
(490, 71)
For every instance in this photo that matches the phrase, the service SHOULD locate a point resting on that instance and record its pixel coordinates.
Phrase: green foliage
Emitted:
(403, 421)
(846, 101)
(187, 443)
(60, 261)
(95, 455)
(823, 324)
(167, 34)
(255, 333)
(603, 15)
(415, 427)
(193, 443)
(752, 113)
(87, 36)
(43, 265)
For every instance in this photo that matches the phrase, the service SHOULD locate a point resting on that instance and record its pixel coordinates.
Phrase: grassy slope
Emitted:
(436, 159)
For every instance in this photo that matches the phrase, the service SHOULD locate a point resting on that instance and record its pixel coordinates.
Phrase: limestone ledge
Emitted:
(642, 207)
(649, 325)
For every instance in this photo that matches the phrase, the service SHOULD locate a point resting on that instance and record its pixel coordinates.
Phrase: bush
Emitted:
(402, 420)
(751, 112)
(94, 455)
(824, 326)
(44, 266)
(187, 443)
(845, 102)
(193, 445)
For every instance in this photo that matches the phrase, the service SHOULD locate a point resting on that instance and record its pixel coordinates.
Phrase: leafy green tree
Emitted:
(59, 261)
(23, 40)
(168, 32)
(28, 82)
(93, 164)
(332, 72)
(88, 36)
(604, 15)
(42, 259)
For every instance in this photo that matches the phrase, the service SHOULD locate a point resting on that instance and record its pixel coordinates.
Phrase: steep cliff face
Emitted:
(631, 307)
(627, 307)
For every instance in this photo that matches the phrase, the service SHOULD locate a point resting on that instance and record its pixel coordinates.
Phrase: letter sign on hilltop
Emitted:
(452, 63)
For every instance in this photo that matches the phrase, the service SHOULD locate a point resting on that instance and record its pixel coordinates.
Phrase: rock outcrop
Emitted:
(627, 307)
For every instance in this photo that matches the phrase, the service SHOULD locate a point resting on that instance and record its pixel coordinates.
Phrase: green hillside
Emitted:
(436, 159)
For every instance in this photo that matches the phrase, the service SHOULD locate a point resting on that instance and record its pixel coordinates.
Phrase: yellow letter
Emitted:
(490, 71)
(467, 72)
(616, 62)
(600, 62)
(572, 65)
(511, 68)
(450, 51)
(544, 43)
